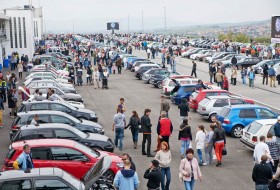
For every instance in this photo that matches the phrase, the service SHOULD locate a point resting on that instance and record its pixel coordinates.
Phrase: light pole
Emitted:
(142, 22)
(128, 23)
(164, 19)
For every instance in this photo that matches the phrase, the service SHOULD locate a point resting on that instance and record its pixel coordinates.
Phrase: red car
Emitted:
(197, 96)
(67, 155)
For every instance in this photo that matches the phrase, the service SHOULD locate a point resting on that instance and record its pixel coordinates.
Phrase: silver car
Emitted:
(209, 106)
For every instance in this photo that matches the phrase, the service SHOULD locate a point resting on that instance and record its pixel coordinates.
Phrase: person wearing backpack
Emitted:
(219, 141)
(133, 124)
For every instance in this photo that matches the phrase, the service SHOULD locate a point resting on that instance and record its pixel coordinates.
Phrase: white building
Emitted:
(23, 27)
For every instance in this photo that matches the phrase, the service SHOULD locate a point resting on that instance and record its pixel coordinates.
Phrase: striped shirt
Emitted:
(274, 148)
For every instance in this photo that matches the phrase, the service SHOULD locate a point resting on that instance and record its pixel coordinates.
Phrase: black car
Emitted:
(248, 62)
(143, 68)
(47, 116)
(63, 131)
(57, 105)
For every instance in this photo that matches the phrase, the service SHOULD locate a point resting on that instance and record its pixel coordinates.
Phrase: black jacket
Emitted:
(219, 135)
(194, 67)
(184, 108)
(261, 174)
(134, 123)
(185, 132)
(154, 178)
(146, 124)
(234, 60)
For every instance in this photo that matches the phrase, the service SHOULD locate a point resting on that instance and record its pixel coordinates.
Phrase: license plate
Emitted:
(247, 135)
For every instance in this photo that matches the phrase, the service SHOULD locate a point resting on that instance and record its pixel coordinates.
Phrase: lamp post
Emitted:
(164, 19)
(142, 22)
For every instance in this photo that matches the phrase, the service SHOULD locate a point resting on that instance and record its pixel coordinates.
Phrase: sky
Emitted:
(92, 15)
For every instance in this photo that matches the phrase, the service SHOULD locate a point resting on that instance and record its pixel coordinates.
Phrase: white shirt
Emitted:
(260, 149)
(33, 122)
(199, 139)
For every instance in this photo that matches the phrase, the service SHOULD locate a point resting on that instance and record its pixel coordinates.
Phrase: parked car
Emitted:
(57, 105)
(181, 91)
(59, 92)
(65, 79)
(68, 155)
(46, 82)
(143, 68)
(198, 96)
(56, 178)
(209, 53)
(248, 62)
(258, 68)
(42, 68)
(62, 82)
(63, 131)
(193, 51)
(211, 105)
(217, 56)
(227, 57)
(156, 71)
(137, 64)
(132, 60)
(235, 118)
(169, 84)
(252, 132)
(195, 55)
(157, 79)
(39, 59)
(227, 63)
(24, 118)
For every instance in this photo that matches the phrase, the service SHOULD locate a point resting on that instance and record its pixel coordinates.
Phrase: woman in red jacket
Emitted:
(225, 83)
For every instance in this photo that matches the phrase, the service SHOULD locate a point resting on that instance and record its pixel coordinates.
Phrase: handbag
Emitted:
(224, 151)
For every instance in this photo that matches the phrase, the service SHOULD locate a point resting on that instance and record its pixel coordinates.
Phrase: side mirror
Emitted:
(84, 159)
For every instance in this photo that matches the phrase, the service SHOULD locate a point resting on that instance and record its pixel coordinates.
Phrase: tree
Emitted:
(241, 38)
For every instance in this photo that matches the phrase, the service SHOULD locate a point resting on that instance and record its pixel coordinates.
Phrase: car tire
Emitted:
(236, 131)
(159, 85)
(108, 176)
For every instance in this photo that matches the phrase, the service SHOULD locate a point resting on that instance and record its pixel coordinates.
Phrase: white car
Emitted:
(169, 84)
(47, 74)
(251, 133)
(40, 68)
(194, 56)
(59, 81)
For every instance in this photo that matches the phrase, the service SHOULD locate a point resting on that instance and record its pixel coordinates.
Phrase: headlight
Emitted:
(120, 164)
(98, 129)
(92, 115)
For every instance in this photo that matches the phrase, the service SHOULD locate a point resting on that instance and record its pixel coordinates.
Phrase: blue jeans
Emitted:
(261, 187)
(165, 172)
(244, 80)
(199, 153)
(119, 132)
(184, 146)
(135, 133)
(189, 184)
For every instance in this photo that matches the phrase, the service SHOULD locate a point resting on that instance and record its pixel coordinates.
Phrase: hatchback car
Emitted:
(155, 71)
(248, 62)
(56, 178)
(197, 96)
(64, 131)
(180, 92)
(157, 79)
(57, 105)
(143, 68)
(64, 83)
(66, 96)
(137, 64)
(24, 118)
(68, 155)
(252, 132)
(235, 118)
(46, 74)
(169, 83)
(210, 105)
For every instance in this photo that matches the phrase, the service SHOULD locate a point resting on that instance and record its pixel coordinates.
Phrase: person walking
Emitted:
(133, 124)
(119, 65)
(185, 136)
(164, 128)
(219, 141)
(190, 170)
(272, 76)
(11, 103)
(194, 69)
(233, 61)
(208, 145)
(121, 105)
(184, 110)
(164, 105)
(219, 78)
(262, 174)
(276, 129)
(260, 149)
(163, 156)
(265, 74)
(126, 156)
(226, 83)
(199, 139)
(212, 72)
(147, 132)
(243, 74)
(274, 149)
(234, 75)
(20, 70)
(118, 126)
(95, 78)
(252, 78)
(126, 179)
(89, 75)
(153, 174)
(24, 160)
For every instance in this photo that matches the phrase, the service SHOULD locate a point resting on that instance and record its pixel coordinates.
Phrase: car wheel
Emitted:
(140, 77)
(213, 114)
(148, 82)
(159, 85)
(236, 131)
(108, 176)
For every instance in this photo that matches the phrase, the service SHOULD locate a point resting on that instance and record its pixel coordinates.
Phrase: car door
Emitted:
(61, 119)
(65, 134)
(20, 184)
(39, 106)
(265, 114)
(42, 157)
(219, 104)
(71, 161)
(247, 116)
(42, 119)
(60, 107)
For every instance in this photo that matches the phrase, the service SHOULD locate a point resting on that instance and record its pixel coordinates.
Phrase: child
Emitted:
(114, 68)
(225, 83)
(199, 139)
(105, 79)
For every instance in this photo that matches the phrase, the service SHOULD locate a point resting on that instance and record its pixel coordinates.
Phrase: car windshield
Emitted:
(254, 127)
(87, 150)
(204, 101)
(80, 133)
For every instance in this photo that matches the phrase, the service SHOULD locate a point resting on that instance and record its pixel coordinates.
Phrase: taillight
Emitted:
(255, 139)
(15, 127)
(226, 121)
(204, 108)
(165, 89)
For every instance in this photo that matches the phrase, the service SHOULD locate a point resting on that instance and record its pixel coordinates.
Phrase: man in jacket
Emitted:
(194, 69)
(184, 110)
(147, 132)
(119, 65)
(153, 174)
(164, 128)
(164, 105)
(233, 61)
(219, 78)
(262, 173)
(277, 129)
(118, 126)
(272, 76)
(126, 179)
(24, 161)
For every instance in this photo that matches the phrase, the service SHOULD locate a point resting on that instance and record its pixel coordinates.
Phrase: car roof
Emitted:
(222, 97)
(50, 112)
(242, 106)
(46, 125)
(35, 172)
(44, 143)
(150, 65)
(42, 101)
(211, 90)
(186, 85)
(265, 121)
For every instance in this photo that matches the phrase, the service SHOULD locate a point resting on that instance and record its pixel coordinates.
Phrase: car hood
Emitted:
(73, 95)
(96, 171)
(90, 123)
(97, 137)
(85, 110)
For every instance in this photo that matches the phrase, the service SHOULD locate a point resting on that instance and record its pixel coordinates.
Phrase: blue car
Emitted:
(235, 118)
(181, 91)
